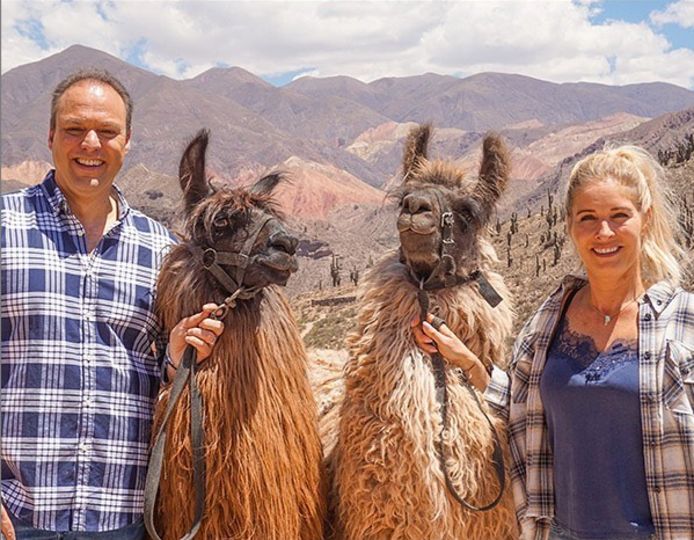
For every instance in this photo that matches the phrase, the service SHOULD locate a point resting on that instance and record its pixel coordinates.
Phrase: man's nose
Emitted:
(91, 140)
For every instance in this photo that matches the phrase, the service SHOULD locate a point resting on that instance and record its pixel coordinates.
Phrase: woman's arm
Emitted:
(443, 340)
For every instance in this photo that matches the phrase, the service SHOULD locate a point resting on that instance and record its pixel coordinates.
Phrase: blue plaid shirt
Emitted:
(79, 373)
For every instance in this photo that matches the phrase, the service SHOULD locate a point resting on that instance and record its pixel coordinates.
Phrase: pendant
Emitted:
(607, 320)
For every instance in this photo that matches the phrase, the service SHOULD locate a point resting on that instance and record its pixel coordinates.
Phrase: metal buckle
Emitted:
(446, 226)
(221, 312)
(209, 257)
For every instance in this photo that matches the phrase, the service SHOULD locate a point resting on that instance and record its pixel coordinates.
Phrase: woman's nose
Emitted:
(605, 231)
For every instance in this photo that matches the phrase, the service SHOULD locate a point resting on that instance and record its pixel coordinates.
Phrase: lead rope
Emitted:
(186, 372)
(439, 369)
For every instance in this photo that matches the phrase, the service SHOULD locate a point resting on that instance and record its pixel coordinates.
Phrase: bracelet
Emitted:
(168, 362)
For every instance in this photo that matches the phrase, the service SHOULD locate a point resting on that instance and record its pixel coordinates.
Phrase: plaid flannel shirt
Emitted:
(79, 376)
(666, 388)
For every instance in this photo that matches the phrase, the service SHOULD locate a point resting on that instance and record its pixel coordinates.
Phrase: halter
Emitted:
(442, 277)
(212, 261)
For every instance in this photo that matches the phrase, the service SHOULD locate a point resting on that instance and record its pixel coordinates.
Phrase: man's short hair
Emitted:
(99, 75)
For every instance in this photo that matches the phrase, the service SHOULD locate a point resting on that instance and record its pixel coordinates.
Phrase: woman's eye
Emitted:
(621, 215)
(587, 218)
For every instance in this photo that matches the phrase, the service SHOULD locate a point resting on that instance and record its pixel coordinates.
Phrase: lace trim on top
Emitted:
(596, 364)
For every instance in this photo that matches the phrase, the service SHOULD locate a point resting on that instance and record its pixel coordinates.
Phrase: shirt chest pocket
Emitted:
(678, 378)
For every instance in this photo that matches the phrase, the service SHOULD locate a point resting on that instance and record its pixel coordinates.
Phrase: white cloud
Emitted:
(680, 13)
(555, 40)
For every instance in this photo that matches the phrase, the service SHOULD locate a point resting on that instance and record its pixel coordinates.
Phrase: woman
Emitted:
(601, 392)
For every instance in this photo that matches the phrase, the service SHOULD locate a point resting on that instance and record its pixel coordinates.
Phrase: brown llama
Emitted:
(387, 478)
(262, 452)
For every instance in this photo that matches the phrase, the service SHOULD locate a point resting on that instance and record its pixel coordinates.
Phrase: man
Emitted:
(79, 373)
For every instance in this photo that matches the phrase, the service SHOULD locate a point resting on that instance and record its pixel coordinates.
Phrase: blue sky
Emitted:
(607, 41)
(635, 11)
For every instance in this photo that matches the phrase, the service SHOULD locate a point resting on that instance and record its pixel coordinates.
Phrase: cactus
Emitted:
(514, 223)
(335, 268)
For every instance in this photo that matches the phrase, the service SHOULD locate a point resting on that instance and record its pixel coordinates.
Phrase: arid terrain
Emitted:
(339, 142)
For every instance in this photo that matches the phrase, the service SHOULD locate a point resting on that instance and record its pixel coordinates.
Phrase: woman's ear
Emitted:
(647, 216)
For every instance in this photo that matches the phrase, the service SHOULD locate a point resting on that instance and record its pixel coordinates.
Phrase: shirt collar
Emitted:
(659, 295)
(59, 203)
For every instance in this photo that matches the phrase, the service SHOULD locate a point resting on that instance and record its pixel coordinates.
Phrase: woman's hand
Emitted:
(443, 340)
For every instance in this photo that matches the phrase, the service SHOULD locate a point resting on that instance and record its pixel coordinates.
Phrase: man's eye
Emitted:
(108, 134)
(73, 131)
(587, 218)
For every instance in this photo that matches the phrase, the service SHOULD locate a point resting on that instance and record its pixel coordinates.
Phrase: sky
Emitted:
(606, 41)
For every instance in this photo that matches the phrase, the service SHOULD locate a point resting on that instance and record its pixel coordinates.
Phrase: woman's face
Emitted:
(606, 228)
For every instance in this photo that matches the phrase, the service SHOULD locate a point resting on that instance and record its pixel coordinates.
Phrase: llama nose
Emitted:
(416, 204)
(284, 242)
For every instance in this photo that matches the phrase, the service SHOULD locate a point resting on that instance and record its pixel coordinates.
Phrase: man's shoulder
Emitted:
(145, 225)
(17, 199)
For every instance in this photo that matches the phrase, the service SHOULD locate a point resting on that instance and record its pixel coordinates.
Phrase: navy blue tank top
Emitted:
(591, 402)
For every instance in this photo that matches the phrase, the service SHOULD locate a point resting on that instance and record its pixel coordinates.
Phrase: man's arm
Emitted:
(6, 525)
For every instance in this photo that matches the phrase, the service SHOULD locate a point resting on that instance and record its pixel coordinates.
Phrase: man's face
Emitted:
(89, 141)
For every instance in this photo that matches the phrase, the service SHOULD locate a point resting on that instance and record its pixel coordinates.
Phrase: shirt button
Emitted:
(647, 317)
(647, 355)
(657, 489)
(84, 447)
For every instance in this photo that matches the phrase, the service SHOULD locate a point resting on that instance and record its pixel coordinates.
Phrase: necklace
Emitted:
(607, 319)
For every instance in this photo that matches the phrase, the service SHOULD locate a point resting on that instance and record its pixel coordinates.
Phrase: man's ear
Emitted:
(50, 139)
(127, 142)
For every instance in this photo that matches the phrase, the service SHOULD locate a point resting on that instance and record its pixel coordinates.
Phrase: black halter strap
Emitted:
(186, 373)
(444, 276)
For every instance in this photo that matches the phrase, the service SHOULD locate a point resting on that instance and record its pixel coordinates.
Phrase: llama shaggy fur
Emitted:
(388, 481)
(263, 453)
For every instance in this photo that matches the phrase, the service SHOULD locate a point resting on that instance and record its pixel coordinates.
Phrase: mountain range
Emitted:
(340, 139)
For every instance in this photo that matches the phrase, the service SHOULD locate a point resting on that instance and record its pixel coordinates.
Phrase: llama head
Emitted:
(431, 188)
(226, 219)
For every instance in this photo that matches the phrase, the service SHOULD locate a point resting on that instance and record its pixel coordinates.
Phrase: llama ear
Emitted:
(266, 184)
(494, 172)
(415, 150)
(191, 171)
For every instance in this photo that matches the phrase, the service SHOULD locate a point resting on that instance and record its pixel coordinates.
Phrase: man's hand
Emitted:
(6, 525)
(198, 330)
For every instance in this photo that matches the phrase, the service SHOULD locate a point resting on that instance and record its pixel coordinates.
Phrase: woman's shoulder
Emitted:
(542, 321)
(552, 305)
(664, 295)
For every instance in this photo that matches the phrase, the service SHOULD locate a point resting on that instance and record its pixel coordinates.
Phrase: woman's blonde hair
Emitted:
(636, 169)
